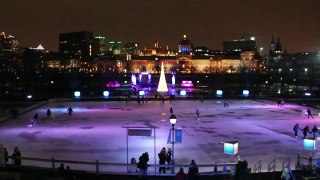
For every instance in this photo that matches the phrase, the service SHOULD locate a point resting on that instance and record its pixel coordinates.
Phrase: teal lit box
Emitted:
(231, 147)
(309, 144)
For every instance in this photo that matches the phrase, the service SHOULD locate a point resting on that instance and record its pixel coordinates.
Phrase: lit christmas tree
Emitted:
(162, 86)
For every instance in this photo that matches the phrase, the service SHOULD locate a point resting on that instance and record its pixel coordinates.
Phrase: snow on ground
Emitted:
(95, 131)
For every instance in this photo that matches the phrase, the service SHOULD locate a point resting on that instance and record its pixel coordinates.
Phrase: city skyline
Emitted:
(206, 23)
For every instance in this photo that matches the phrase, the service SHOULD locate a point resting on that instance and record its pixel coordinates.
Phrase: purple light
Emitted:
(29, 96)
(186, 84)
(307, 94)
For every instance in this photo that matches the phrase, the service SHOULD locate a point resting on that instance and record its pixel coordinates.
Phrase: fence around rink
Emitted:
(123, 168)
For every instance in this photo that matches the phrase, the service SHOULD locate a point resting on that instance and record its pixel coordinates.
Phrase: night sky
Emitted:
(206, 22)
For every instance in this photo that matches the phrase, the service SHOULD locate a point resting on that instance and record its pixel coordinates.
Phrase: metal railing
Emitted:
(122, 168)
(272, 166)
(257, 167)
(286, 163)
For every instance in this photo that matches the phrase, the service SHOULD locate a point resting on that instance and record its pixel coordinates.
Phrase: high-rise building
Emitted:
(78, 45)
(102, 45)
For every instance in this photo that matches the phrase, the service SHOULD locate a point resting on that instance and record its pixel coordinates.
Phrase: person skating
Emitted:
(225, 104)
(171, 110)
(305, 130)
(70, 110)
(309, 113)
(48, 113)
(314, 131)
(198, 113)
(296, 129)
(35, 119)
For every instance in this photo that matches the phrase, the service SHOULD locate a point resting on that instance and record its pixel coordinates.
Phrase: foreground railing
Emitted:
(124, 168)
(115, 168)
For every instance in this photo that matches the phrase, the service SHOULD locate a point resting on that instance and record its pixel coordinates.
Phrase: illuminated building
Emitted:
(240, 45)
(202, 60)
(131, 48)
(78, 45)
(185, 46)
(102, 45)
(8, 43)
(115, 47)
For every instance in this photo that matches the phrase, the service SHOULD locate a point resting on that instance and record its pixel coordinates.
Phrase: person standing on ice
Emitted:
(198, 113)
(70, 110)
(296, 128)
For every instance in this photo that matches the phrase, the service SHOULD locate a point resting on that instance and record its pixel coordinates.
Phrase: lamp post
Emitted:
(173, 120)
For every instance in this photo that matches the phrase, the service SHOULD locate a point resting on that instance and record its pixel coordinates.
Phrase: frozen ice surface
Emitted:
(95, 131)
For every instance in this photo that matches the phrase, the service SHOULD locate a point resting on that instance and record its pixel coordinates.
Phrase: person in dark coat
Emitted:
(314, 131)
(70, 110)
(162, 160)
(305, 130)
(193, 170)
(181, 175)
(143, 165)
(242, 171)
(168, 157)
(171, 110)
(296, 128)
(309, 113)
(48, 113)
(17, 156)
(5, 155)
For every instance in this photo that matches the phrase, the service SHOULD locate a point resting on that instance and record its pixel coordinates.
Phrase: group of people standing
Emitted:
(4, 156)
(164, 156)
(306, 131)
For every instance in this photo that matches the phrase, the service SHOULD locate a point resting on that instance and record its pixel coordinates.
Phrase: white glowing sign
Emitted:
(183, 93)
(219, 92)
(77, 93)
(245, 92)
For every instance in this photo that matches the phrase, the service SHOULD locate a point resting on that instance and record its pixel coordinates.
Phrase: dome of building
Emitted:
(185, 41)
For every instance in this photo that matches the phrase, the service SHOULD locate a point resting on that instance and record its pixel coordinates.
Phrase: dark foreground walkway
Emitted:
(32, 173)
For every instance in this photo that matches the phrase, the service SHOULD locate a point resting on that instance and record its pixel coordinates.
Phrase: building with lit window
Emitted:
(102, 45)
(185, 46)
(240, 45)
(78, 45)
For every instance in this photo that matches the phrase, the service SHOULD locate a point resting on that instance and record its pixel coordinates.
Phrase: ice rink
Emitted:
(96, 131)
